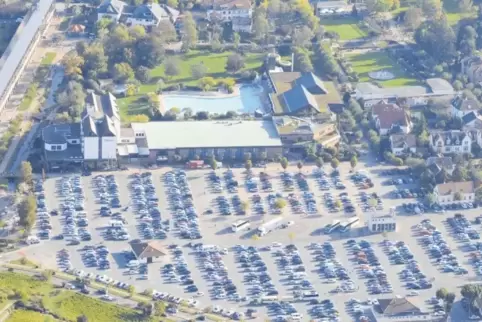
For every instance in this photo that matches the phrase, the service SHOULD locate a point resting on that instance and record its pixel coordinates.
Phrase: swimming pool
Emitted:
(248, 101)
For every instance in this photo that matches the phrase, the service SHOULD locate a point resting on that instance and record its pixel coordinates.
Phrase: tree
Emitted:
(190, 36)
(82, 318)
(248, 164)
(213, 164)
(165, 31)
(437, 38)
(441, 293)
(236, 40)
(131, 289)
(26, 172)
(302, 36)
(430, 8)
(234, 63)
(284, 163)
(457, 196)
(198, 70)
(260, 24)
(338, 204)
(413, 18)
(171, 67)
(149, 51)
(143, 74)
(122, 72)
(299, 166)
(302, 61)
(335, 163)
(471, 291)
(72, 64)
(450, 297)
(460, 174)
(207, 83)
(27, 212)
(245, 205)
(319, 162)
(72, 97)
(430, 199)
(353, 161)
(280, 203)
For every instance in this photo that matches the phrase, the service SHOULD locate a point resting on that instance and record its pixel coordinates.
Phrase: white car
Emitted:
(275, 244)
(290, 223)
(296, 317)
(413, 293)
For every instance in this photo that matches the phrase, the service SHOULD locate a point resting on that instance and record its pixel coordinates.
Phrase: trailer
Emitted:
(346, 226)
(268, 226)
(331, 228)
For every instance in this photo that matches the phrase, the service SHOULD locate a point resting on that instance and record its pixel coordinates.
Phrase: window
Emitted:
(466, 148)
(125, 141)
(140, 134)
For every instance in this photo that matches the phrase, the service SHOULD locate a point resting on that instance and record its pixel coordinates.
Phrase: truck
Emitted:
(345, 226)
(268, 226)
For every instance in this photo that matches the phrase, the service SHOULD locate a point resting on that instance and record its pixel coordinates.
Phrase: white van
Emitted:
(32, 240)
(116, 223)
(133, 263)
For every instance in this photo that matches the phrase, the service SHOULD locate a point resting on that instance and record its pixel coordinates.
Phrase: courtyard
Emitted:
(303, 229)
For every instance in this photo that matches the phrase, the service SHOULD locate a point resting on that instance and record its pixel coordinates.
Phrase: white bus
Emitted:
(240, 224)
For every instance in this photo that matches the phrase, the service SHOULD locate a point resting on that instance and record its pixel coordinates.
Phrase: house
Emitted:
(472, 68)
(301, 94)
(391, 118)
(436, 164)
(147, 251)
(455, 141)
(472, 121)
(380, 222)
(237, 12)
(396, 307)
(62, 145)
(455, 192)
(435, 88)
(332, 8)
(76, 30)
(147, 15)
(110, 9)
(100, 128)
(463, 106)
(403, 143)
(293, 130)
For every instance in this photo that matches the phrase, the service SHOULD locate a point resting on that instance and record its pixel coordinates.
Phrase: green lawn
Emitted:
(347, 28)
(453, 18)
(69, 305)
(10, 281)
(374, 61)
(48, 58)
(216, 66)
(28, 316)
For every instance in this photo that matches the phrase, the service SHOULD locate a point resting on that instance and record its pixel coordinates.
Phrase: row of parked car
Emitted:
(326, 182)
(43, 224)
(178, 272)
(74, 217)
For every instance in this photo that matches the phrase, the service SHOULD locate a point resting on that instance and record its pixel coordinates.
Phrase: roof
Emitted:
(390, 115)
(331, 4)
(209, 134)
(149, 249)
(403, 140)
(435, 86)
(149, 11)
(453, 187)
(397, 306)
(465, 104)
(20, 43)
(469, 117)
(60, 133)
(111, 7)
(312, 83)
(99, 105)
(442, 162)
(77, 28)
(454, 137)
(73, 153)
(299, 98)
(127, 149)
(227, 4)
(288, 125)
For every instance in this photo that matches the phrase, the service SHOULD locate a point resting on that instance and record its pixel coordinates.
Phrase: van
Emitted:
(269, 299)
(133, 263)
(116, 223)
(32, 240)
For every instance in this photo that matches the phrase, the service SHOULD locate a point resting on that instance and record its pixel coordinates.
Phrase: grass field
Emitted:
(28, 316)
(453, 18)
(10, 281)
(374, 61)
(69, 305)
(347, 28)
(48, 58)
(216, 68)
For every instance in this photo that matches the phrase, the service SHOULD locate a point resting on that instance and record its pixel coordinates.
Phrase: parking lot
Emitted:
(292, 269)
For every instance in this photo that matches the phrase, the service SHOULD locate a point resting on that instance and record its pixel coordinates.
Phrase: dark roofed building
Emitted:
(462, 106)
(403, 143)
(397, 306)
(436, 164)
(388, 116)
(62, 144)
(149, 250)
(312, 83)
(299, 100)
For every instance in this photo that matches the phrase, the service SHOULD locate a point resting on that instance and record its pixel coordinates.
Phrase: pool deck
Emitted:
(211, 94)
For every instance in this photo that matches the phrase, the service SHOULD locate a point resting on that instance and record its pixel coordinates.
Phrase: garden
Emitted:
(348, 28)
(364, 63)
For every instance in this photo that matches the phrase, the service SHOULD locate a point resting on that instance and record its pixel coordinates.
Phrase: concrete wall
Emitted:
(109, 148)
(91, 148)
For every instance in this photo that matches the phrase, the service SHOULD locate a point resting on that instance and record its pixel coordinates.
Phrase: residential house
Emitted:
(110, 9)
(62, 145)
(472, 121)
(403, 143)
(455, 192)
(455, 141)
(147, 15)
(463, 106)
(435, 88)
(100, 128)
(472, 68)
(293, 130)
(391, 118)
(302, 94)
(237, 12)
(436, 164)
(332, 8)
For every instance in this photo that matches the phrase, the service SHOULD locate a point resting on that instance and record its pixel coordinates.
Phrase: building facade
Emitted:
(390, 118)
(237, 12)
(472, 68)
(402, 144)
(455, 192)
(380, 222)
(458, 142)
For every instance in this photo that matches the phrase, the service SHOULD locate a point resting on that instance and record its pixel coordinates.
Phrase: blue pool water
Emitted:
(248, 101)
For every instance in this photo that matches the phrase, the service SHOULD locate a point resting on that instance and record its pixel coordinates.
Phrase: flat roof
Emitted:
(209, 134)
(10, 63)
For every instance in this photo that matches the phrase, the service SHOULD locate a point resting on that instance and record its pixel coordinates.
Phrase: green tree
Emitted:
(302, 61)
(450, 297)
(245, 205)
(234, 63)
(143, 74)
(300, 166)
(460, 174)
(441, 293)
(72, 64)
(207, 83)
(280, 203)
(198, 71)
(122, 72)
(171, 67)
(213, 164)
(284, 163)
(27, 212)
(131, 289)
(353, 161)
(430, 199)
(248, 164)
(190, 35)
(335, 163)
(319, 162)
(457, 196)
(236, 40)
(26, 172)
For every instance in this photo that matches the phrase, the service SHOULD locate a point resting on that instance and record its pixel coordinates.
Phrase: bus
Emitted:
(332, 227)
(240, 224)
(349, 224)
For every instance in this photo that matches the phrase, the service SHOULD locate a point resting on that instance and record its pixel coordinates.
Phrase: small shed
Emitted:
(149, 250)
(76, 30)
